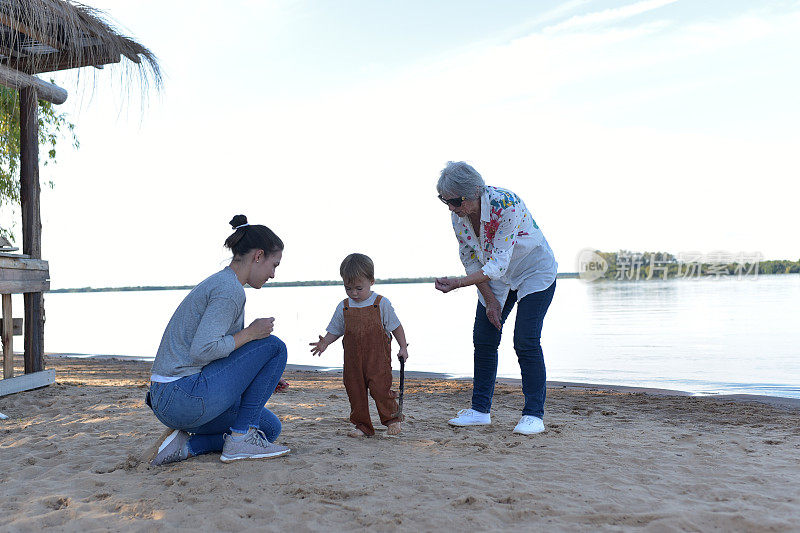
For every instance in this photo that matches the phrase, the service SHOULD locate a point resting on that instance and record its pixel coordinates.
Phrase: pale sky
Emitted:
(667, 125)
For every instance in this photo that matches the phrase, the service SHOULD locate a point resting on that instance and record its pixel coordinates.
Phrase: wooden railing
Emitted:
(21, 274)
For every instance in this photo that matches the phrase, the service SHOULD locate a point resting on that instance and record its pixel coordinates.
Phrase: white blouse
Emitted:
(511, 249)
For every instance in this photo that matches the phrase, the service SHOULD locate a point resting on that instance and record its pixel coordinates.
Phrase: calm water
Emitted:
(702, 336)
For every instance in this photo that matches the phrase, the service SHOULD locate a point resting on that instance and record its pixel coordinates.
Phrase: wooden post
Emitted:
(31, 223)
(8, 338)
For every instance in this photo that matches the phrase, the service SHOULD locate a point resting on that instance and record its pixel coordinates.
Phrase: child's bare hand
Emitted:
(402, 354)
(318, 347)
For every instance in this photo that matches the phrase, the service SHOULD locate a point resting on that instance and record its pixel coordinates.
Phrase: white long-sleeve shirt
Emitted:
(510, 247)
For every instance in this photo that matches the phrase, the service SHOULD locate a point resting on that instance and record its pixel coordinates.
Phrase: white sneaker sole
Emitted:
(524, 432)
(231, 458)
(466, 424)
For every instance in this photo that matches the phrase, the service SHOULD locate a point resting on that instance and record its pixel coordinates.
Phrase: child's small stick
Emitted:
(402, 385)
(399, 412)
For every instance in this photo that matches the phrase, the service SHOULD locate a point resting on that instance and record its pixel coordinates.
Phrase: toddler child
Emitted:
(367, 321)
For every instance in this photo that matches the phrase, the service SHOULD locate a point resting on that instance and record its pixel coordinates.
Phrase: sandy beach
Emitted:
(72, 457)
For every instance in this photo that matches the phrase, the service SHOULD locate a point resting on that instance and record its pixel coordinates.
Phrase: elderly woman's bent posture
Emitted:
(211, 374)
(506, 255)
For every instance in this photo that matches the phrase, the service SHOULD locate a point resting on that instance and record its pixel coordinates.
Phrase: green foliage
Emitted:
(633, 266)
(781, 266)
(53, 126)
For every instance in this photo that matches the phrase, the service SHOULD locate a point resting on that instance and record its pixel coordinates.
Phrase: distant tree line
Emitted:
(780, 266)
(312, 283)
(626, 265)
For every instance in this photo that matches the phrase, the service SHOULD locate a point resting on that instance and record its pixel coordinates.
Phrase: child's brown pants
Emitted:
(368, 365)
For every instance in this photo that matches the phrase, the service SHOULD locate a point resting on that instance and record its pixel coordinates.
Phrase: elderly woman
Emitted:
(507, 257)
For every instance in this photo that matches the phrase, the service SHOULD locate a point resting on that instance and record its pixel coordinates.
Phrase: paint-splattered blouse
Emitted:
(511, 249)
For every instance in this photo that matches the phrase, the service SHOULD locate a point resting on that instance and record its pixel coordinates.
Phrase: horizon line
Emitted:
(305, 283)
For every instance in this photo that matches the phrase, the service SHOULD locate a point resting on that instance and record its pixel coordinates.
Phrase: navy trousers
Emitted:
(527, 336)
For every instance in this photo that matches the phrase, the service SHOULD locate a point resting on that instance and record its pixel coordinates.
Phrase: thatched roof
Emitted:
(49, 35)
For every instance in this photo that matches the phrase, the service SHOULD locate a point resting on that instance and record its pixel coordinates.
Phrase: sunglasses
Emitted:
(455, 202)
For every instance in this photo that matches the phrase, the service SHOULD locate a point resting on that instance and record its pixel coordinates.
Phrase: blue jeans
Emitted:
(228, 393)
(527, 334)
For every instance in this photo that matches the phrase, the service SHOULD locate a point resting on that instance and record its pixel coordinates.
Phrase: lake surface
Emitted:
(702, 336)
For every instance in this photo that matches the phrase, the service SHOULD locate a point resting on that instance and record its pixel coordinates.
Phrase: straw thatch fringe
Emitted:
(48, 35)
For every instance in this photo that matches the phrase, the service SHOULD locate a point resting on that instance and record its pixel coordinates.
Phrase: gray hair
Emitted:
(460, 179)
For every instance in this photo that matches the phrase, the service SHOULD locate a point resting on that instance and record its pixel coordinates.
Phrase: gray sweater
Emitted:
(201, 329)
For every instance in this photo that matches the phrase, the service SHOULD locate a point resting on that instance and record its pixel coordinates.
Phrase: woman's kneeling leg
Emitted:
(247, 378)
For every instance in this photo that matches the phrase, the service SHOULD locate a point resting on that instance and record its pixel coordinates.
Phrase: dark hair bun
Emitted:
(238, 220)
(251, 237)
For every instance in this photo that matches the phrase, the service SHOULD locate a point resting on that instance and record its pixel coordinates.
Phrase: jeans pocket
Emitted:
(156, 394)
(180, 410)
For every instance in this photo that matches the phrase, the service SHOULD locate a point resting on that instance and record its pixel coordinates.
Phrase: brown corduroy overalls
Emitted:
(368, 365)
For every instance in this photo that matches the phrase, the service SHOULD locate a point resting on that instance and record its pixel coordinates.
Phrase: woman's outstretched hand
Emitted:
(447, 284)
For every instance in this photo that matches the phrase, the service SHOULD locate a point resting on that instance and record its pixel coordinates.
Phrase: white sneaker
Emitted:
(470, 417)
(529, 425)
